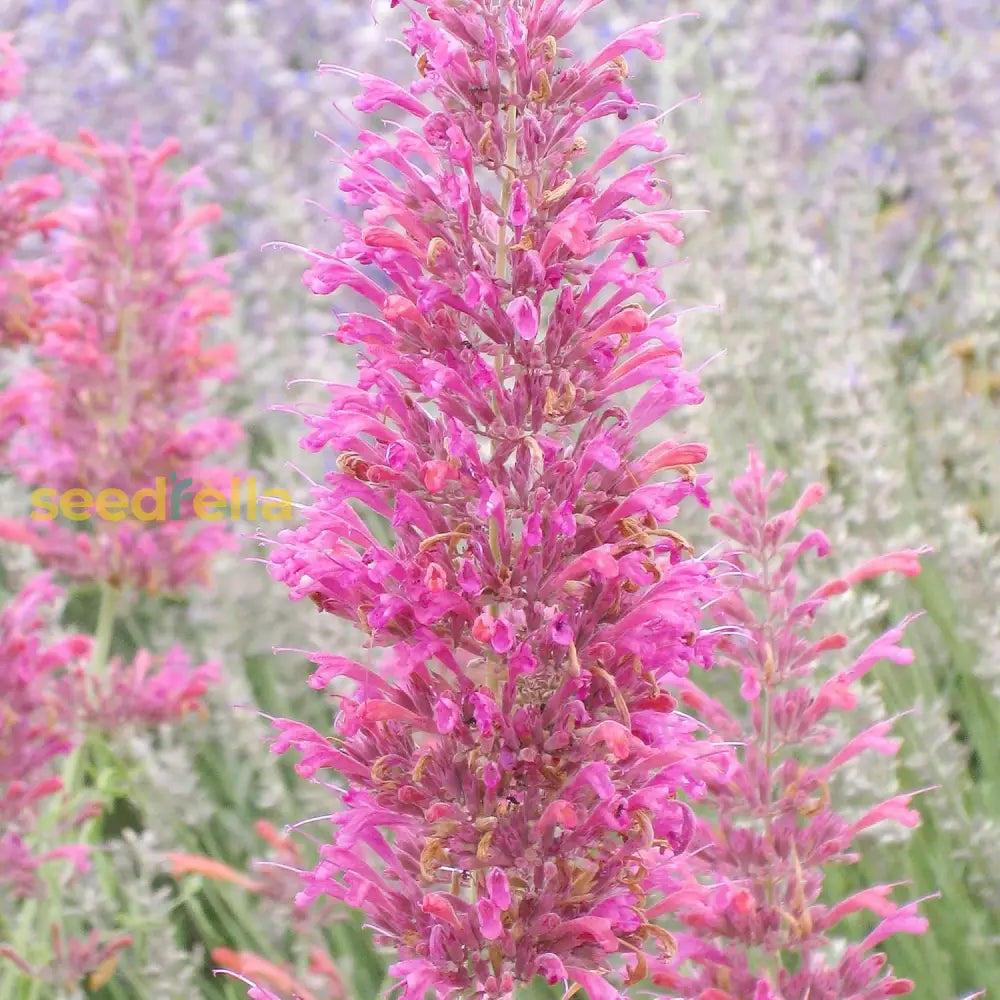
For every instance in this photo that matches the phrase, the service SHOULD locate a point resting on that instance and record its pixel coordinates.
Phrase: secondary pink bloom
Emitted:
(753, 884)
(116, 398)
(146, 692)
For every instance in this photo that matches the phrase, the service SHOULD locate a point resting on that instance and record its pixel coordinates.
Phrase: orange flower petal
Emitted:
(197, 864)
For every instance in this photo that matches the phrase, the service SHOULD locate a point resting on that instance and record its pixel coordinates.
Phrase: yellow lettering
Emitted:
(159, 495)
(276, 506)
(75, 505)
(251, 499)
(206, 505)
(46, 504)
(235, 501)
(112, 505)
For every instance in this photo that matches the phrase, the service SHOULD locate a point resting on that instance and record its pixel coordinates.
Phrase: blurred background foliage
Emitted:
(846, 153)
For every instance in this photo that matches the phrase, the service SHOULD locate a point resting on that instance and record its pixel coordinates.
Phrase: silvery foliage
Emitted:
(152, 966)
(845, 153)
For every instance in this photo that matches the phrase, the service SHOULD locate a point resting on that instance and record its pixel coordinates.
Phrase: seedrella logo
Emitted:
(243, 502)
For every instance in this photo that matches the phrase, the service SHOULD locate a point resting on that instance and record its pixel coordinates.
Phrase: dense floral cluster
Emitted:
(843, 228)
(844, 155)
(515, 751)
(39, 726)
(112, 400)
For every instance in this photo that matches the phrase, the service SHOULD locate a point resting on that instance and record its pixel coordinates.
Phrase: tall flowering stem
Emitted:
(756, 927)
(514, 753)
(115, 401)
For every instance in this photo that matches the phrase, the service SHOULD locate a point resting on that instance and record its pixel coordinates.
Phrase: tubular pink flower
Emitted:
(518, 763)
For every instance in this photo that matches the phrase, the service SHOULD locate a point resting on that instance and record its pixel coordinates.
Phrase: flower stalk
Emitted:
(104, 630)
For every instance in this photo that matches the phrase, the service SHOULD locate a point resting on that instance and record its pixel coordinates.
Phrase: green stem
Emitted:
(75, 765)
(9, 983)
(105, 628)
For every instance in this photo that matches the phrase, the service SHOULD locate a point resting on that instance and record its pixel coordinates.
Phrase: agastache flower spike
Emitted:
(114, 401)
(750, 895)
(515, 755)
(116, 398)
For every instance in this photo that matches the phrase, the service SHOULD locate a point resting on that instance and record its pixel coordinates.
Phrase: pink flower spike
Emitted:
(526, 605)
(725, 895)
(132, 248)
